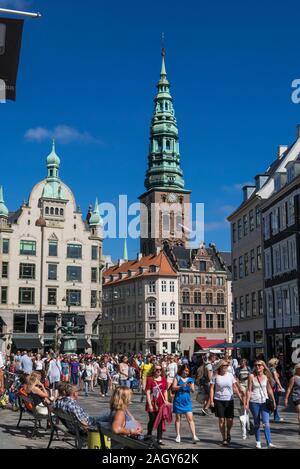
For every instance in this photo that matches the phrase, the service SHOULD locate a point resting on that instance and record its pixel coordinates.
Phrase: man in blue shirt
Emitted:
(26, 364)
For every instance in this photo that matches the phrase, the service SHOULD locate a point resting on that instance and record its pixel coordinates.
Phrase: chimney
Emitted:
(139, 256)
(158, 251)
(283, 148)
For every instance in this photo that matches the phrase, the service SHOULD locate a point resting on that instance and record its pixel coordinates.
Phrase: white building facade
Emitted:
(140, 307)
(50, 267)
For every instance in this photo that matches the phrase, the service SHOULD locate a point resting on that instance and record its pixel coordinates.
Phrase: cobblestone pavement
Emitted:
(284, 434)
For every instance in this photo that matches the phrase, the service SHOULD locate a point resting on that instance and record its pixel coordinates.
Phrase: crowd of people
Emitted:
(165, 382)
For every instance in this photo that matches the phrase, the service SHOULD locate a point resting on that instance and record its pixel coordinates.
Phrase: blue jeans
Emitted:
(125, 382)
(276, 414)
(259, 411)
(87, 386)
(74, 378)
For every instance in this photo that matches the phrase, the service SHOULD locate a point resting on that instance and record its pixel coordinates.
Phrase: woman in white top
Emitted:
(222, 388)
(258, 391)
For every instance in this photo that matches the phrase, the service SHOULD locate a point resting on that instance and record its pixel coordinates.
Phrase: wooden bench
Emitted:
(35, 417)
(69, 426)
(122, 441)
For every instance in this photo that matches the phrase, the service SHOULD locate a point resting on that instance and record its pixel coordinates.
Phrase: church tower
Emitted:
(165, 207)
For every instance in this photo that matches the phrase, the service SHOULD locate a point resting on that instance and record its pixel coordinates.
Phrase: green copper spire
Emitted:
(3, 208)
(164, 169)
(53, 188)
(125, 254)
(95, 219)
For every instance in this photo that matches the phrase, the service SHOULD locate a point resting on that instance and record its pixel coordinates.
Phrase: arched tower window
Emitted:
(168, 145)
(47, 211)
(166, 223)
(56, 212)
(61, 212)
(52, 211)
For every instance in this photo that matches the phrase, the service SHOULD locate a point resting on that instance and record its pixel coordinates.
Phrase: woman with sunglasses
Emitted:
(258, 391)
(157, 395)
(222, 388)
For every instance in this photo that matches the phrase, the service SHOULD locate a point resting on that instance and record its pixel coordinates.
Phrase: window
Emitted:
(50, 324)
(151, 286)
(235, 308)
(94, 253)
(53, 248)
(242, 310)
(239, 229)
(172, 286)
(258, 217)
(185, 279)
(209, 321)
(61, 212)
(268, 266)
(5, 246)
(186, 297)
(152, 308)
(246, 264)
(259, 258)
(28, 248)
(208, 280)
(252, 261)
(27, 271)
(173, 327)
(152, 326)
(251, 220)
(235, 270)
(73, 274)
(220, 298)
(220, 281)
(245, 224)
(202, 266)
(164, 309)
(260, 302)
(164, 286)
(209, 298)
(197, 279)
(140, 310)
(172, 309)
(234, 232)
(197, 297)
(52, 271)
(241, 267)
(186, 321)
(198, 320)
(4, 270)
(19, 323)
(26, 296)
(74, 251)
(247, 306)
(3, 295)
(164, 327)
(94, 299)
(74, 297)
(94, 272)
(52, 296)
(254, 309)
(221, 321)
(152, 268)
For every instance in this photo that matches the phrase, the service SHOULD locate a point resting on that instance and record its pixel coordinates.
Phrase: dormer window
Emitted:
(277, 183)
(291, 173)
(152, 268)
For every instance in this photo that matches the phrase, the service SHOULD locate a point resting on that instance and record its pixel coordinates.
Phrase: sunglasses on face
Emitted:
(259, 364)
(158, 369)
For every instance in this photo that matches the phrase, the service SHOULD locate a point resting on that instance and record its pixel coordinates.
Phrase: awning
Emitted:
(205, 343)
(27, 343)
(83, 343)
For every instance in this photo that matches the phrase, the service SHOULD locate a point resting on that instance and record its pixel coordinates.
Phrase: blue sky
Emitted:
(89, 70)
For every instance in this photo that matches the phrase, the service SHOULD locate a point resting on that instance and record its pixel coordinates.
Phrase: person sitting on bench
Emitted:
(123, 421)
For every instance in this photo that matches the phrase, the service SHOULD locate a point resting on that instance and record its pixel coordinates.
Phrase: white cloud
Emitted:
(19, 4)
(237, 187)
(62, 134)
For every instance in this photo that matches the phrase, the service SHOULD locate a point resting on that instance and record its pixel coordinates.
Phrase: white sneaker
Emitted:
(195, 439)
(178, 439)
(258, 445)
(270, 445)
